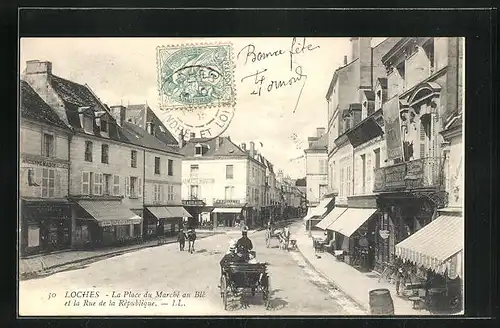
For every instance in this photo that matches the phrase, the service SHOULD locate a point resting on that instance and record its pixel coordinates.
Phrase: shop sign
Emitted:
(45, 163)
(395, 176)
(414, 174)
(379, 181)
(109, 223)
(226, 202)
(44, 209)
(193, 202)
(384, 234)
(392, 127)
(198, 181)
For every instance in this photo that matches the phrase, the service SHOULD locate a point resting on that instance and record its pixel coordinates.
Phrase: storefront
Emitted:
(104, 223)
(45, 226)
(228, 216)
(316, 214)
(164, 220)
(433, 258)
(195, 208)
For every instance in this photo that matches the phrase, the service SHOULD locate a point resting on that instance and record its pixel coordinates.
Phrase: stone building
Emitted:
(316, 167)
(45, 220)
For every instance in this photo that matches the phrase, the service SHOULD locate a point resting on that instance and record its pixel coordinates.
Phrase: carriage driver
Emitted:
(230, 256)
(244, 243)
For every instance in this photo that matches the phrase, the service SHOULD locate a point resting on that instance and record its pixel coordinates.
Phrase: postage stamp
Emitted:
(196, 88)
(194, 76)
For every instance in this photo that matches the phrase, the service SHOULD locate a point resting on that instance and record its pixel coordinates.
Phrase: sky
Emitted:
(123, 71)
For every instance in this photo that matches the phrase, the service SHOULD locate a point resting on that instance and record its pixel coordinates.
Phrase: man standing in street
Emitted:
(181, 238)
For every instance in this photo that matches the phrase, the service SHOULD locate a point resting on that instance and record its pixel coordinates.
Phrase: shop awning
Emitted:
(178, 212)
(351, 220)
(435, 245)
(108, 213)
(331, 217)
(318, 210)
(235, 210)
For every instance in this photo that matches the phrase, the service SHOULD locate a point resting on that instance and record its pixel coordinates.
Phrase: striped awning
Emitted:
(165, 212)
(318, 210)
(437, 246)
(331, 217)
(351, 220)
(109, 213)
(178, 212)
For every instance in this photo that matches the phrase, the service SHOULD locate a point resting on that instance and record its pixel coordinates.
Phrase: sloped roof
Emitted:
(33, 107)
(370, 95)
(74, 96)
(142, 113)
(141, 137)
(227, 148)
(319, 144)
(383, 82)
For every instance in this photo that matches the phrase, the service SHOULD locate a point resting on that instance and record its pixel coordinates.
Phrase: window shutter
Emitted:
(434, 133)
(57, 184)
(85, 183)
(422, 140)
(369, 172)
(140, 187)
(161, 191)
(101, 179)
(127, 186)
(37, 190)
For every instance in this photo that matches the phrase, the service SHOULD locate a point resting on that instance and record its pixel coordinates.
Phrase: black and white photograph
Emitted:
(241, 176)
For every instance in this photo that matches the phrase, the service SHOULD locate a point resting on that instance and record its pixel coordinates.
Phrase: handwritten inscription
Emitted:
(260, 81)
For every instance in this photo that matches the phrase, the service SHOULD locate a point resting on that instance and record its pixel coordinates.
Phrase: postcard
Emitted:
(241, 176)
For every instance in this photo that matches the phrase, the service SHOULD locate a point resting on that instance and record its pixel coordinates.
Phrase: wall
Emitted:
(314, 176)
(343, 159)
(213, 174)
(378, 52)
(367, 149)
(454, 173)
(417, 68)
(163, 178)
(119, 164)
(31, 154)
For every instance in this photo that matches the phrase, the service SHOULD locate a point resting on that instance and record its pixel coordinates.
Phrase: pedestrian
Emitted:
(181, 238)
(399, 277)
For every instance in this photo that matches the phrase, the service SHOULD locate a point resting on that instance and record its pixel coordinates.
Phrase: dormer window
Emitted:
(104, 126)
(198, 150)
(87, 123)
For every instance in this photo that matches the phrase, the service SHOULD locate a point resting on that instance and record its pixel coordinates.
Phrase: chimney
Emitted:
(244, 146)
(119, 114)
(252, 148)
(150, 128)
(354, 48)
(181, 139)
(38, 67)
(345, 60)
(218, 142)
(320, 132)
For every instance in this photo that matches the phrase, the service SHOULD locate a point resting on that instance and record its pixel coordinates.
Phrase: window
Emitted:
(377, 157)
(133, 187)
(194, 169)
(48, 182)
(104, 126)
(107, 184)
(157, 165)
(198, 150)
(348, 182)
(342, 191)
(85, 183)
(425, 136)
(116, 185)
(323, 166)
(229, 171)
(97, 188)
(133, 158)
(363, 176)
(88, 151)
(170, 167)
(229, 193)
(322, 191)
(157, 192)
(48, 145)
(170, 193)
(193, 192)
(105, 154)
(88, 124)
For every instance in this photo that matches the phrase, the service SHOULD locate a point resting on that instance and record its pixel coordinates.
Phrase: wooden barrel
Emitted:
(381, 302)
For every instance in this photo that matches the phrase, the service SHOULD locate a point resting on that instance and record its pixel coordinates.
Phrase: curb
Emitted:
(36, 274)
(350, 297)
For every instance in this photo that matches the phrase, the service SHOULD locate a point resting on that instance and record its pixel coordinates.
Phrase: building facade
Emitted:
(45, 221)
(107, 161)
(316, 167)
(222, 183)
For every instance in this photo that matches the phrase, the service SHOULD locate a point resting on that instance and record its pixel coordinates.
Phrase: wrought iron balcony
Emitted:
(417, 174)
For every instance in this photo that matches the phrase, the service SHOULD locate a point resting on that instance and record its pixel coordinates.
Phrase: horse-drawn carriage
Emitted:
(240, 277)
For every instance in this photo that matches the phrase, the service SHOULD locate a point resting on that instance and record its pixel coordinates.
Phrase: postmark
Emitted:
(196, 88)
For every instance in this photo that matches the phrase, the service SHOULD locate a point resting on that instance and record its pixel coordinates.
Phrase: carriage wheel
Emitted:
(223, 291)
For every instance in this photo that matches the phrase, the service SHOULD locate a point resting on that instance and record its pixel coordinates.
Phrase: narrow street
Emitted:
(296, 289)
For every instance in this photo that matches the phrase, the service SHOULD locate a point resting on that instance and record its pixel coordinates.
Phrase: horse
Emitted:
(191, 235)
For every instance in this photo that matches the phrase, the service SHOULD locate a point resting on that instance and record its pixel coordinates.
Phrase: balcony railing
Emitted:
(416, 174)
